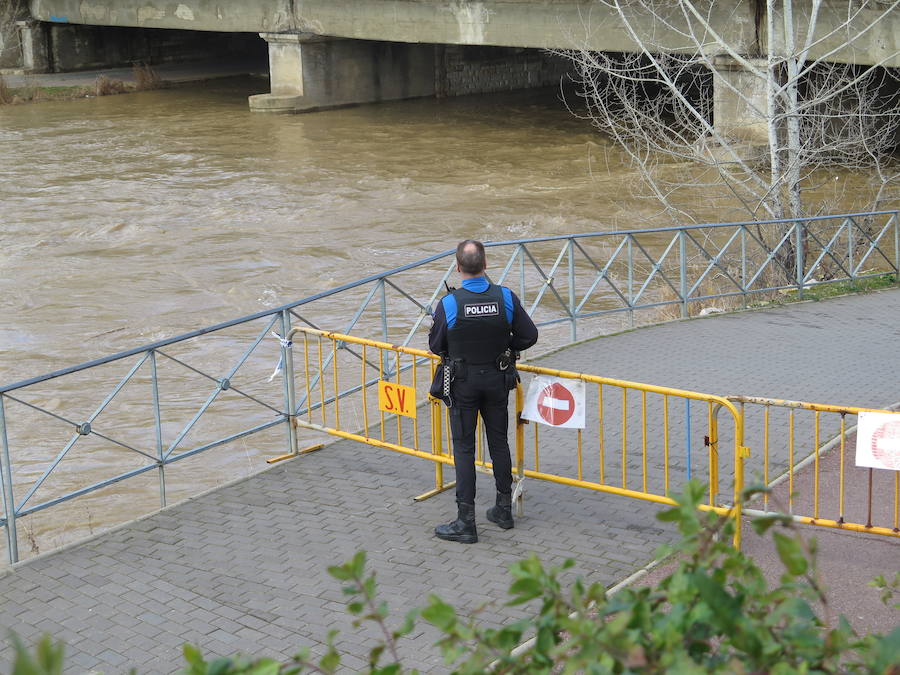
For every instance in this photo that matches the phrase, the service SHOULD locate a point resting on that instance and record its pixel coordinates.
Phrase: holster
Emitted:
(511, 377)
(506, 362)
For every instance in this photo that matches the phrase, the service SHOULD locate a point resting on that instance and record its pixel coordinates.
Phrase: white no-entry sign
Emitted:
(556, 402)
(878, 440)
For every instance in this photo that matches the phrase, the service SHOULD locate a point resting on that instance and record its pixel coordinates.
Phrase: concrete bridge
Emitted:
(327, 53)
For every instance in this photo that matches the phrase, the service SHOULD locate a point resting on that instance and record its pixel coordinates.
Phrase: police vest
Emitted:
(481, 332)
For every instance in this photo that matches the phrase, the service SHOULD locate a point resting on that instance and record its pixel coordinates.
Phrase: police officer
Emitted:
(475, 327)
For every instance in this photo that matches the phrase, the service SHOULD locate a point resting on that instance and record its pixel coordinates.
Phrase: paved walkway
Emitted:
(243, 568)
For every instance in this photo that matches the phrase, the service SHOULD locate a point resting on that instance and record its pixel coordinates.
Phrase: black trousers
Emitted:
(483, 391)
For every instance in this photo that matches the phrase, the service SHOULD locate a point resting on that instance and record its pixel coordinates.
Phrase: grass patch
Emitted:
(145, 78)
(35, 94)
(824, 290)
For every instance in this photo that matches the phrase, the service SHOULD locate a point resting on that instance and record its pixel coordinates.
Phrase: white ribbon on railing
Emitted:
(280, 367)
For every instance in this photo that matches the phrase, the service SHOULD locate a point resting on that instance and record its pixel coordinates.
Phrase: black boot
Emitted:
(502, 512)
(462, 529)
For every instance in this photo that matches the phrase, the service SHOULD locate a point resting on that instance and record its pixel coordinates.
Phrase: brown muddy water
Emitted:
(129, 219)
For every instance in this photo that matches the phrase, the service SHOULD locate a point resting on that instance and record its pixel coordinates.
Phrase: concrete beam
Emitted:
(557, 24)
(512, 23)
(229, 16)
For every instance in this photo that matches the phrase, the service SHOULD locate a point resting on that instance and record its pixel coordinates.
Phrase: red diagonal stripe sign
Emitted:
(556, 402)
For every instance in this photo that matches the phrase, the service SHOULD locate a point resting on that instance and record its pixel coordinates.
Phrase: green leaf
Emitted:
(525, 589)
(48, 660)
(340, 572)
(440, 614)
(669, 515)
(886, 652)
(790, 553)
(762, 524)
(192, 655)
(408, 624)
(357, 564)
(375, 654)
(221, 666)
(265, 667)
(330, 661)
(545, 640)
(391, 669)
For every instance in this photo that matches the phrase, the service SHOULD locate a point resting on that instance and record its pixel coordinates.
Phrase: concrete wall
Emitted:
(311, 73)
(463, 70)
(75, 47)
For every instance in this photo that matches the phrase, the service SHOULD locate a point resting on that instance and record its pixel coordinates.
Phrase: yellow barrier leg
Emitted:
(713, 455)
(437, 448)
(518, 490)
(305, 451)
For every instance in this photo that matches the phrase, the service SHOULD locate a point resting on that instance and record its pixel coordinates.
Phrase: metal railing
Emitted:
(565, 282)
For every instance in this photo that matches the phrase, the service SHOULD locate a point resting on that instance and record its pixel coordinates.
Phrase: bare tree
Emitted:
(11, 11)
(805, 108)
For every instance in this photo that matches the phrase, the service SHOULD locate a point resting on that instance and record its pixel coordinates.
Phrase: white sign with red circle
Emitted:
(555, 401)
(878, 440)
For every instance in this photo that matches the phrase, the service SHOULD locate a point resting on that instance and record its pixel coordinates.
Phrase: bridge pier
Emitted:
(312, 72)
(739, 109)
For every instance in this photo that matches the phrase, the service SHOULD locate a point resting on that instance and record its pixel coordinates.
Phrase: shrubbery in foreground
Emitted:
(715, 613)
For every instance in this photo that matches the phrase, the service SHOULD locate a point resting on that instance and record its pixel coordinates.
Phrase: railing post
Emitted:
(384, 320)
(522, 274)
(630, 281)
(799, 255)
(682, 273)
(744, 289)
(9, 503)
(896, 219)
(157, 418)
(290, 396)
(574, 321)
(850, 249)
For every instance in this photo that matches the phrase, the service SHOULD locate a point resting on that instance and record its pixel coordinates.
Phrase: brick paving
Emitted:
(242, 569)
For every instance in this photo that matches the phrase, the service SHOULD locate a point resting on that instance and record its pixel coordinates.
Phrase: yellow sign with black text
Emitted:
(396, 398)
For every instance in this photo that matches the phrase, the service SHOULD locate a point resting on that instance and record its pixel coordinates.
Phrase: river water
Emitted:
(128, 219)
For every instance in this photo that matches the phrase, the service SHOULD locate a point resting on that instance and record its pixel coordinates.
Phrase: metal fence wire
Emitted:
(113, 426)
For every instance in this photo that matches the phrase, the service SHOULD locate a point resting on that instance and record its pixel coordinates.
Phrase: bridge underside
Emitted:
(329, 53)
(553, 24)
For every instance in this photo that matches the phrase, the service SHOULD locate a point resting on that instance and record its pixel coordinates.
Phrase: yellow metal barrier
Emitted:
(636, 443)
(633, 428)
(793, 438)
(636, 418)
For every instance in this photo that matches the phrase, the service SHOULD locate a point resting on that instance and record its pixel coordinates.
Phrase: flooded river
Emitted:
(128, 219)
